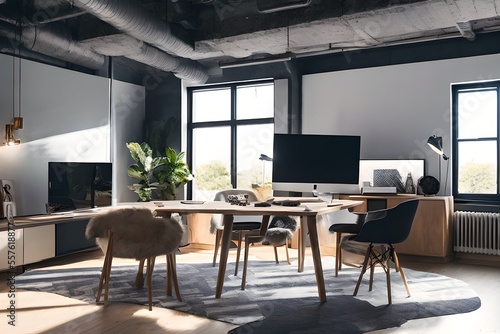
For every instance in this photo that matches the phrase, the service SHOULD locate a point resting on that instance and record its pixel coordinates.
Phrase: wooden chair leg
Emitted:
(245, 264)
(238, 251)
(373, 263)
(398, 268)
(287, 255)
(172, 276)
(276, 254)
(218, 236)
(338, 253)
(139, 278)
(388, 279)
(149, 278)
(106, 271)
(363, 269)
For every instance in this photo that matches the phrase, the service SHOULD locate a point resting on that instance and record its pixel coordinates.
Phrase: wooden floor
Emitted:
(38, 312)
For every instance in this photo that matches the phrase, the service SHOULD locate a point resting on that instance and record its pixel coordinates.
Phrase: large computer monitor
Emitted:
(325, 163)
(79, 185)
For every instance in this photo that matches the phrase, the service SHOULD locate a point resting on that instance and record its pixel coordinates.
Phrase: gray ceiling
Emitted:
(190, 37)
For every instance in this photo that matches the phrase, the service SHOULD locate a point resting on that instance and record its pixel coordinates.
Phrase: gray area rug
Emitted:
(277, 298)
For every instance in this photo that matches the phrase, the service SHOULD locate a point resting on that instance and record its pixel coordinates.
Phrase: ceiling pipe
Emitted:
(133, 19)
(266, 9)
(465, 28)
(53, 41)
(124, 45)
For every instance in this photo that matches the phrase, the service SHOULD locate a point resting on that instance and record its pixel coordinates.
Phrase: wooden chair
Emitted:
(136, 233)
(279, 233)
(241, 224)
(385, 227)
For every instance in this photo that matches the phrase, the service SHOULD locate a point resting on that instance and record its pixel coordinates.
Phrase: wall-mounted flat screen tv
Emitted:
(79, 185)
(326, 163)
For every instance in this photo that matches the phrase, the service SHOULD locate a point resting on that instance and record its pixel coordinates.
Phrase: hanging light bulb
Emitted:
(18, 121)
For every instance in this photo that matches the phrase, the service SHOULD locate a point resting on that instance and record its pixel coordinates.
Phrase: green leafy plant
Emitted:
(160, 176)
(175, 173)
(143, 170)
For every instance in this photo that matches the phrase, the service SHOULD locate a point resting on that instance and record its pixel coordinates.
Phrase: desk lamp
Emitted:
(264, 158)
(436, 143)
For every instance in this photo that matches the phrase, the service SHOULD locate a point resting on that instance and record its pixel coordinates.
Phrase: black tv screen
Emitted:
(79, 185)
(305, 163)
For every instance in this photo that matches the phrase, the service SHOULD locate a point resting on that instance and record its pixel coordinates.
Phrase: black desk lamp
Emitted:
(264, 158)
(436, 143)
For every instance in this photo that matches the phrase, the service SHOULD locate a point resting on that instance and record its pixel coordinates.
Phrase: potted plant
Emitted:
(160, 176)
(173, 174)
(143, 170)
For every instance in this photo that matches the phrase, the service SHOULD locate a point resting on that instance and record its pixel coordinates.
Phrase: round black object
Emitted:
(429, 185)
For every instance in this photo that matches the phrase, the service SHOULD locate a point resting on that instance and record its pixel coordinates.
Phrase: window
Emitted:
(229, 127)
(476, 141)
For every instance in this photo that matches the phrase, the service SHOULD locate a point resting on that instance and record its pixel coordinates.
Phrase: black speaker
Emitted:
(429, 185)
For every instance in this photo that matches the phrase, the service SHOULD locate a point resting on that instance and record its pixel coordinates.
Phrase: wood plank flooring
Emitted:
(38, 312)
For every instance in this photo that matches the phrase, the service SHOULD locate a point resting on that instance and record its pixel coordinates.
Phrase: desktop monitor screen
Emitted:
(79, 185)
(326, 163)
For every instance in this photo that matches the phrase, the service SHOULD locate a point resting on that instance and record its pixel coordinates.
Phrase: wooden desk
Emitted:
(307, 213)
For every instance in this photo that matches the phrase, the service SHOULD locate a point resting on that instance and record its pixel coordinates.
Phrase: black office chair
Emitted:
(241, 224)
(345, 222)
(385, 227)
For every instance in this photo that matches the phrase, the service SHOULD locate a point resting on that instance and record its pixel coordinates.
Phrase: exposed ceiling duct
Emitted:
(54, 41)
(465, 29)
(135, 20)
(132, 48)
(191, 38)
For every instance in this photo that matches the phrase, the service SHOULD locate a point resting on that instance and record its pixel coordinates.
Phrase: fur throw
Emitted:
(281, 229)
(136, 233)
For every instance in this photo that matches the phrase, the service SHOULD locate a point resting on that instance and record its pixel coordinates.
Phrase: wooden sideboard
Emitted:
(432, 230)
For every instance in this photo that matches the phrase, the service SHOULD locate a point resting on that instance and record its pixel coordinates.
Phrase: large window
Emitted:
(476, 141)
(229, 127)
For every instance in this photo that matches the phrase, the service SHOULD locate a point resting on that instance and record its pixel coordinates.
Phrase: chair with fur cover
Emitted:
(136, 233)
(278, 233)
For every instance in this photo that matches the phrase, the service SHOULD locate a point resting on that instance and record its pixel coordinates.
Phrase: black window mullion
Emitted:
(234, 166)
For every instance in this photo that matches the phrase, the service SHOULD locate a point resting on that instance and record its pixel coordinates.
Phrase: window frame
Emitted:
(233, 123)
(456, 89)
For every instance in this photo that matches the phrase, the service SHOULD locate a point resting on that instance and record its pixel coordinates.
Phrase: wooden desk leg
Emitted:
(301, 251)
(318, 268)
(225, 244)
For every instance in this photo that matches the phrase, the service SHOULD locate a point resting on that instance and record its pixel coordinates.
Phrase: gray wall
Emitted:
(394, 108)
(66, 118)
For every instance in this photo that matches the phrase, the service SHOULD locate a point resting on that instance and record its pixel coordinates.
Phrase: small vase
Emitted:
(409, 186)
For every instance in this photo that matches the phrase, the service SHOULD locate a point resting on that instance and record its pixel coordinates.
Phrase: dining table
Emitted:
(306, 209)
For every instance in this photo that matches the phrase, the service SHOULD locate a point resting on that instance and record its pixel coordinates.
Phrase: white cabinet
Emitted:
(16, 253)
(39, 243)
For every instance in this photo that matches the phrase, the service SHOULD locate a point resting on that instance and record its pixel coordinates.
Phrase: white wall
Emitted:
(394, 108)
(66, 118)
(127, 117)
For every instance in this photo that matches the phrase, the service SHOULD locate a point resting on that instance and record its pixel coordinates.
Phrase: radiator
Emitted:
(477, 232)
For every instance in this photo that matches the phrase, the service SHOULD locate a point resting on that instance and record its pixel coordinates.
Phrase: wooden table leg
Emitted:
(318, 268)
(224, 252)
(301, 251)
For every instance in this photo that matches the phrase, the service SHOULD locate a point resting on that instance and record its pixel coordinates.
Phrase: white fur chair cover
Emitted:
(281, 229)
(136, 233)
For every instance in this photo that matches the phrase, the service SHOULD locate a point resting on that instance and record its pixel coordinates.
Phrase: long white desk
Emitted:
(307, 212)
